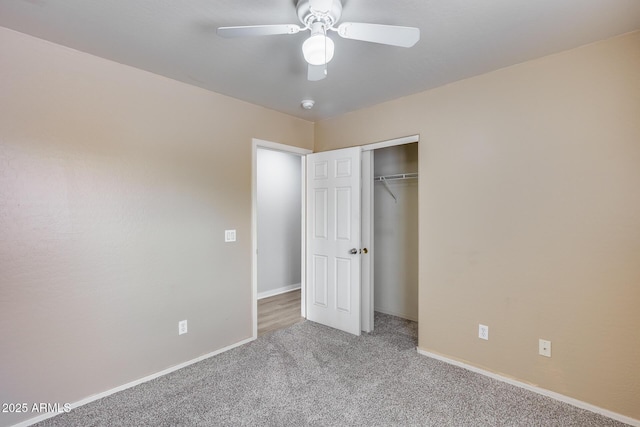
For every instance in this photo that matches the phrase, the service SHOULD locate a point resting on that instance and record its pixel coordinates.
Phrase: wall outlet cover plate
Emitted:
(544, 348)
(229, 235)
(483, 332)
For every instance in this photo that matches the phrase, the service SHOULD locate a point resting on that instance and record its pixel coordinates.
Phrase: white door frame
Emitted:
(367, 212)
(302, 152)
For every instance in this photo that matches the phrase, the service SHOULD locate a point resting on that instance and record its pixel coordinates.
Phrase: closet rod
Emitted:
(395, 177)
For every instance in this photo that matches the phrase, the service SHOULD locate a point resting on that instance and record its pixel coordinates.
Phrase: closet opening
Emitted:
(396, 230)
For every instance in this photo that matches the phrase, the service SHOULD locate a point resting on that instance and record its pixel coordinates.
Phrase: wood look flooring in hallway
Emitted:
(278, 312)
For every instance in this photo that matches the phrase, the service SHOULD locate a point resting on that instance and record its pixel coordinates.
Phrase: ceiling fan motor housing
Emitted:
(309, 16)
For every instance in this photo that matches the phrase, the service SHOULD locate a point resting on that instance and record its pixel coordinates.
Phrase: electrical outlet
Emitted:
(229, 235)
(483, 332)
(182, 327)
(544, 348)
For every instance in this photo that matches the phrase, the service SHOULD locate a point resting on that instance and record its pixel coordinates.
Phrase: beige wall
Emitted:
(529, 217)
(116, 186)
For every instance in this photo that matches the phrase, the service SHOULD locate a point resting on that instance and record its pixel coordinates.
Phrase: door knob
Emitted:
(364, 250)
(353, 251)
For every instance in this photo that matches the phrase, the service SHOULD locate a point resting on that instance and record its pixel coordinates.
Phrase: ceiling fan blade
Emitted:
(376, 33)
(322, 6)
(316, 72)
(258, 30)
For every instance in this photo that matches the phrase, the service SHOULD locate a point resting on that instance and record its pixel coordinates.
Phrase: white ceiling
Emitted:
(459, 39)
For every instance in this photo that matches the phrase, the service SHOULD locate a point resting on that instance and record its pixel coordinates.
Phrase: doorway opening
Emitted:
(278, 224)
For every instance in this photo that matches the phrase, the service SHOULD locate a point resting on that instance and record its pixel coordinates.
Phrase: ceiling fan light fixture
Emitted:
(319, 17)
(318, 49)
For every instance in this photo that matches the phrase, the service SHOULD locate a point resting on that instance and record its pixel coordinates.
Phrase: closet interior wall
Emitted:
(396, 232)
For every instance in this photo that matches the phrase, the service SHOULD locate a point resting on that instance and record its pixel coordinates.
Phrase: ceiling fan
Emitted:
(320, 17)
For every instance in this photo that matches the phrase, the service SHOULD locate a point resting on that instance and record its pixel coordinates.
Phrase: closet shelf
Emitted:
(394, 177)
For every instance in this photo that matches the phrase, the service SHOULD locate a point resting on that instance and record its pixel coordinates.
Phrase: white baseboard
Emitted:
(282, 290)
(393, 313)
(552, 394)
(95, 397)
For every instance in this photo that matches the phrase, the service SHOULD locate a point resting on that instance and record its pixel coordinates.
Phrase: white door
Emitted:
(333, 239)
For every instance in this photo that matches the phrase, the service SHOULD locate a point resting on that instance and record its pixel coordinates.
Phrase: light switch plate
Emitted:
(229, 235)
(182, 327)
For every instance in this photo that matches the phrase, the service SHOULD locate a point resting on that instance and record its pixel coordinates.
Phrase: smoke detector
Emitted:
(307, 104)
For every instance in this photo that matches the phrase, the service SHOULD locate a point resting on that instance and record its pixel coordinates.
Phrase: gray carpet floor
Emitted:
(309, 374)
